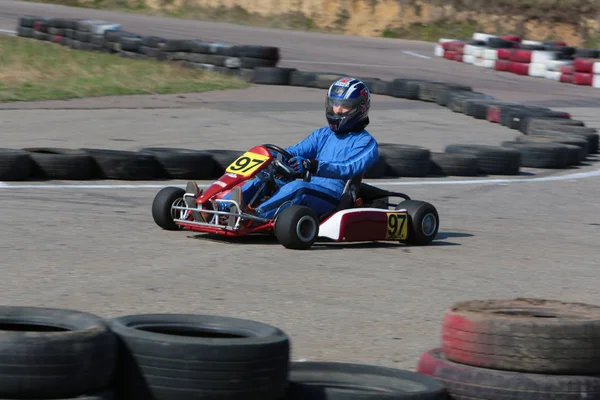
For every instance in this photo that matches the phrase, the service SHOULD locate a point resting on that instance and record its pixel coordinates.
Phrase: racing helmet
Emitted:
(354, 96)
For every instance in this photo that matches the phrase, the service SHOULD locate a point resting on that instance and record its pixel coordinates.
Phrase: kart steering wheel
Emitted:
(287, 170)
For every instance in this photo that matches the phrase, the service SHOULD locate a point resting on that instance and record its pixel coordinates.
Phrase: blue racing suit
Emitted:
(340, 157)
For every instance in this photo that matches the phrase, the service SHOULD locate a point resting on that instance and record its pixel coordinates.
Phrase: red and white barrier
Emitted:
(534, 63)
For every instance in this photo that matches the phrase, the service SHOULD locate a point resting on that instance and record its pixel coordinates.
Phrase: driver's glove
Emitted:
(301, 164)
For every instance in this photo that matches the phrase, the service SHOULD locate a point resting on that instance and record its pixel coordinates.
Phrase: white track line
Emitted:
(410, 53)
(578, 175)
(7, 31)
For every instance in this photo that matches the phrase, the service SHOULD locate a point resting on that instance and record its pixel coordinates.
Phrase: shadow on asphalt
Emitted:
(261, 239)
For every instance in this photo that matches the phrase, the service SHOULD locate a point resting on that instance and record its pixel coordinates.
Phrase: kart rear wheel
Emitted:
(297, 227)
(423, 220)
(162, 211)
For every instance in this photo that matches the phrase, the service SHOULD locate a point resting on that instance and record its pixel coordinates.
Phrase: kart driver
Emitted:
(333, 154)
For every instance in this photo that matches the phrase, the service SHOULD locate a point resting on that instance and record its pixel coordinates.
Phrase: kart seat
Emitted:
(350, 193)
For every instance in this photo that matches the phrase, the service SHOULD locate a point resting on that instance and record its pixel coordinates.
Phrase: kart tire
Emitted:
(465, 382)
(340, 381)
(161, 207)
(182, 356)
(54, 353)
(289, 224)
(60, 164)
(524, 335)
(420, 213)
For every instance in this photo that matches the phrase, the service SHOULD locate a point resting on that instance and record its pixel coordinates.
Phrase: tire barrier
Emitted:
(546, 140)
(550, 60)
(107, 37)
(518, 349)
(65, 354)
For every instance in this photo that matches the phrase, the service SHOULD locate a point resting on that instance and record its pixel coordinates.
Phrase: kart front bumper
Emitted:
(215, 226)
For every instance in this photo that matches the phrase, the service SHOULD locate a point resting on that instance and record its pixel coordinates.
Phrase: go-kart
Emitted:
(363, 213)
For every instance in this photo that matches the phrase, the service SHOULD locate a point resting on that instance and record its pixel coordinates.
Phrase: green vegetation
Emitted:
(34, 70)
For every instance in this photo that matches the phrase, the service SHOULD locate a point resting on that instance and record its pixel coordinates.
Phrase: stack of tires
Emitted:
(64, 354)
(518, 349)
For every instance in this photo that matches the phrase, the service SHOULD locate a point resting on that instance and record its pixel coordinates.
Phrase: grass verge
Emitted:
(32, 70)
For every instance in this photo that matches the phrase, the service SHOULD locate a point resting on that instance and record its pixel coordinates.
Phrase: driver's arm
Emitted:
(307, 148)
(363, 155)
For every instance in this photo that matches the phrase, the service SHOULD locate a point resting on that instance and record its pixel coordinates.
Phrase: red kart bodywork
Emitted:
(353, 224)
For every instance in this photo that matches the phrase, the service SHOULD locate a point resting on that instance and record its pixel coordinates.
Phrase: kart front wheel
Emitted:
(423, 220)
(162, 210)
(297, 227)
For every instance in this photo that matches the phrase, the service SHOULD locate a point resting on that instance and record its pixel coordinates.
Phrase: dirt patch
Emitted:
(575, 21)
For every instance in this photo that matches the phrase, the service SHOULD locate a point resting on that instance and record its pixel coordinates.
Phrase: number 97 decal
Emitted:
(397, 226)
(246, 164)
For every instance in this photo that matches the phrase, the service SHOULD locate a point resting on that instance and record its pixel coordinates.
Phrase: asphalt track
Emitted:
(96, 248)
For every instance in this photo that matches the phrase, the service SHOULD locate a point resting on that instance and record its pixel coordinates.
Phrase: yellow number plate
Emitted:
(397, 226)
(246, 164)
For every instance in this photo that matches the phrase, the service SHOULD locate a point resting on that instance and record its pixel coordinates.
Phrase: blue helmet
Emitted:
(354, 96)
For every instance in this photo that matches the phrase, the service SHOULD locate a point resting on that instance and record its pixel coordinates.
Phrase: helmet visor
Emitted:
(341, 107)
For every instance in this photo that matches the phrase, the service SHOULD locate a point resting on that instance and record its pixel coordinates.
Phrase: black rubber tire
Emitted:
(592, 138)
(272, 75)
(417, 210)
(129, 43)
(458, 100)
(183, 163)
(442, 98)
(587, 53)
(477, 108)
(286, 227)
(15, 165)
(524, 335)
(340, 381)
(380, 87)
(377, 171)
(369, 82)
(179, 356)
(27, 21)
(161, 207)
(25, 32)
(259, 52)
(405, 160)
(152, 41)
(543, 122)
(222, 159)
(175, 45)
(453, 164)
(464, 382)
(54, 353)
(540, 155)
(148, 51)
(56, 31)
(404, 88)
(492, 160)
(98, 40)
(125, 165)
(42, 36)
(513, 118)
(323, 80)
(113, 36)
(577, 146)
(83, 37)
(60, 164)
(428, 90)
